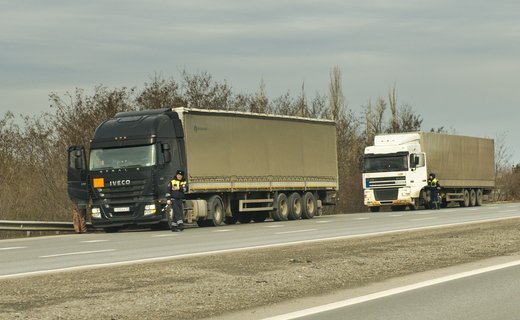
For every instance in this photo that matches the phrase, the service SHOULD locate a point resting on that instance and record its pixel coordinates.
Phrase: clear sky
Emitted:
(456, 62)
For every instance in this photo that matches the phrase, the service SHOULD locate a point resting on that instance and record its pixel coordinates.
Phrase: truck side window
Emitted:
(421, 163)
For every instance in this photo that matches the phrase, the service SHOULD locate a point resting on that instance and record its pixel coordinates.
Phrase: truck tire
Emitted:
(281, 212)
(374, 209)
(215, 211)
(295, 206)
(472, 198)
(480, 196)
(310, 205)
(465, 203)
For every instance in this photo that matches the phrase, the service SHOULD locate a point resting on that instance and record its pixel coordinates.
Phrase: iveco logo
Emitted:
(118, 183)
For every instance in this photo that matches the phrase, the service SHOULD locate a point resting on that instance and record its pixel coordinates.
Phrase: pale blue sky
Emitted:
(456, 62)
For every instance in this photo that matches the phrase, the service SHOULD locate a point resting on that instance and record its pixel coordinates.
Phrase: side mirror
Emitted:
(416, 160)
(413, 161)
(166, 152)
(78, 163)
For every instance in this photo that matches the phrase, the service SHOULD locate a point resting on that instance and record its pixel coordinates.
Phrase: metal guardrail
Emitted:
(11, 225)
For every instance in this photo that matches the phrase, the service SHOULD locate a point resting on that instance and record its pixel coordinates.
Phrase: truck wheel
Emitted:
(414, 206)
(465, 203)
(295, 206)
(281, 212)
(480, 196)
(374, 209)
(310, 205)
(215, 211)
(472, 198)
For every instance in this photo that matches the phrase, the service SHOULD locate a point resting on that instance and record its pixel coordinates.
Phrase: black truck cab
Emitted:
(131, 160)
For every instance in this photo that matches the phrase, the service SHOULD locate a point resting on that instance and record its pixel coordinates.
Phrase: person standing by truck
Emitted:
(177, 188)
(79, 218)
(434, 187)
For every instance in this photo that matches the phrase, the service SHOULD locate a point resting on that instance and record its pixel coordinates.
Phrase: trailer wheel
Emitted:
(472, 198)
(281, 212)
(480, 196)
(215, 211)
(465, 202)
(295, 206)
(374, 209)
(310, 205)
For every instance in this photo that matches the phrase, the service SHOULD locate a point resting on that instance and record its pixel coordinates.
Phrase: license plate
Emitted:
(122, 209)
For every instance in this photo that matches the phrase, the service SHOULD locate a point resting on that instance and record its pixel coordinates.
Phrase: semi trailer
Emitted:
(397, 166)
(240, 167)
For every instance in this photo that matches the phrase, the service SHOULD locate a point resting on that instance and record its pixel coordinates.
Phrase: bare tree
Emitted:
(337, 99)
(394, 119)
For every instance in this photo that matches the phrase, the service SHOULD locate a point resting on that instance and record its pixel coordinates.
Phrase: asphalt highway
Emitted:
(22, 257)
(482, 294)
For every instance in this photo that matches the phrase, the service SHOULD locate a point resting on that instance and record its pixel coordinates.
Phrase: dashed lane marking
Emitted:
(324, 221)
(421, 219)
(505, 211)
(76, 253)
(94, 241)
(396, 215)
(222, 230)
(361, 218)
(275, 226)
(165, 235)
(296, 231)
(11, 248)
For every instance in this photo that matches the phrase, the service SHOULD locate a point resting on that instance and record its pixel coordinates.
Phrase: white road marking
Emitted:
(324, 221)
(396, 215)
(275, 226)
(473, 209)
(421, 219)
(11, 248)
(76, 253)
(361, 218)
(206, 253)
(222, 230)
(512, 206)
(391, 292)
(94, 241)
(296, 231)
(505, 211)
(165, 235)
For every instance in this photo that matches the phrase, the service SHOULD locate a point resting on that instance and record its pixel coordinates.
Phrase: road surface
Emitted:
(20, 257)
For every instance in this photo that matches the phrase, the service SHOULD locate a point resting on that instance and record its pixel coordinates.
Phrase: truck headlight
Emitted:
(96, 213)
(149, 209)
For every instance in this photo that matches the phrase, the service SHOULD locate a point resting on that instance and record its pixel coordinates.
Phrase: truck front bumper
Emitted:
(403, 197)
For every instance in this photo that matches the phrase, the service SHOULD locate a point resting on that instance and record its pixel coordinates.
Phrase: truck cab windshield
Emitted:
(386, 163)
(118, 158)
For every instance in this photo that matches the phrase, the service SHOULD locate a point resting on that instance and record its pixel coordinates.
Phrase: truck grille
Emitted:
(121, 194)
(386, 182)
(386, 194)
